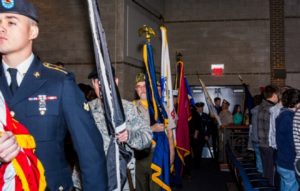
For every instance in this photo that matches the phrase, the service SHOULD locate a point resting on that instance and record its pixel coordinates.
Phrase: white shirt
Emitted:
(22, 69)
(2, 112)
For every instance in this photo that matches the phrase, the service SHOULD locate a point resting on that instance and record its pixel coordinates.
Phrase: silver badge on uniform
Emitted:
(42, 102)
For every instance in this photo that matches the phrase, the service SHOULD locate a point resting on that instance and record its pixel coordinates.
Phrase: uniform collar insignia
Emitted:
(86, 107)
(36, 74)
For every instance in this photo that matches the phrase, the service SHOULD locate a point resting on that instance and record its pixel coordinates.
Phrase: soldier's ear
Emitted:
(34, 31)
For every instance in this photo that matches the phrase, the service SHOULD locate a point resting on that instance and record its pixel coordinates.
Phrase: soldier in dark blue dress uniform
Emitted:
(47, 101)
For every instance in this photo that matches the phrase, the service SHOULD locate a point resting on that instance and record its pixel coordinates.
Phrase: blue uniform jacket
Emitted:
(64, 108)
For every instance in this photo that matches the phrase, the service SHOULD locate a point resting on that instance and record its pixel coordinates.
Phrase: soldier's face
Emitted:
(96, 86)
(16, 33)
(140, 89)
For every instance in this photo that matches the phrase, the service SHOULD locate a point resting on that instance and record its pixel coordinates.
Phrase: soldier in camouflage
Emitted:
(137, 135)
(144, 157)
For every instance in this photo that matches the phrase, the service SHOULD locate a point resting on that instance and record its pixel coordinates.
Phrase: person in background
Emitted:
(137, 134)
(144, 181)
(217, 102)
(296, 137)
(286, 153)
(274, 112)
(202, 133)
(225, 115)
(263, 125)
(215, 129)
(237, 115)
(257, 99)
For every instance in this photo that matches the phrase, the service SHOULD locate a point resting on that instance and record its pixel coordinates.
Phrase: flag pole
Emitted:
(248, 101)
(146, 31)
(160, 159)
(114, 112)
(209, 101)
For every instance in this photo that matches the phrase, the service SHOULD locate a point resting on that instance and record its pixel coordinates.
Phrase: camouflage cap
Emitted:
(22, 7)
(140, 77)
(225, 102)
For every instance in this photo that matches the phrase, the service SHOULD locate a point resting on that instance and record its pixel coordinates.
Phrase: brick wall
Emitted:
(236, 33)
(277, 45)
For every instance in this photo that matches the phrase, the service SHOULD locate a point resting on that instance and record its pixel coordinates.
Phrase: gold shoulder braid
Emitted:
(55, 67)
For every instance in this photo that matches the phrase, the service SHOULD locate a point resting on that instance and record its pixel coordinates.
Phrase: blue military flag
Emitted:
(248, 101)
(117, 156)
(189, 92)
(160, 161)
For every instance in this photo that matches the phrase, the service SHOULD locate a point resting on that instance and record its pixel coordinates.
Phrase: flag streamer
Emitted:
(114, 112)
(160, 161)
(184, 114)
(189, 92)
(248, 100)
(211, 108)
(166, 81)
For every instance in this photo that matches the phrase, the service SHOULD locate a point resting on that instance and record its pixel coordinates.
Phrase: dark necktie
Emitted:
(14, 84)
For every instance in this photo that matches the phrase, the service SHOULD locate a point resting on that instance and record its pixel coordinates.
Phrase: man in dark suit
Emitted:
(46, 99)
(215, 129)
(201, 131)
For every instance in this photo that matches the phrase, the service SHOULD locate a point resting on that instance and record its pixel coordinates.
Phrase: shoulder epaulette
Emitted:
(55, 67)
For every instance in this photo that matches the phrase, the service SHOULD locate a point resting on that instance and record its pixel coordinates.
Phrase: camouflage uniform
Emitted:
(139, 133)
(144, 159)
(143, 111)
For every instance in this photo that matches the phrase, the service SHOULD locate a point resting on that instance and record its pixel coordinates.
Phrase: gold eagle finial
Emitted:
(146, 31)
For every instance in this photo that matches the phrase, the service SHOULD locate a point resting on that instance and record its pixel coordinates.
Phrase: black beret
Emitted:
(22, 7)
(93, 74)
(199, 104)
